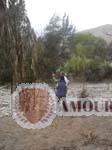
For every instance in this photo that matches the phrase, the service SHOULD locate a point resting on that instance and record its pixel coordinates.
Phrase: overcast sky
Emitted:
(84, 14)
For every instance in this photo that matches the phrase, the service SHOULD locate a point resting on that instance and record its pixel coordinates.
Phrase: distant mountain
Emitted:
(104, 31)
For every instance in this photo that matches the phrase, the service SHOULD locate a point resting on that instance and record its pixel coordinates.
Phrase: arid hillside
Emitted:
(104, 31)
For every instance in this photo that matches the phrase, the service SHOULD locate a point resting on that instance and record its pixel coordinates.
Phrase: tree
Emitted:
(57, 38)
(40, 62)
(4, 41)
(17, 40)
(67, 31)
(23, 41)
(89, 46)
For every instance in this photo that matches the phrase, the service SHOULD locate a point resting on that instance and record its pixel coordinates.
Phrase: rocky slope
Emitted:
(104, 31)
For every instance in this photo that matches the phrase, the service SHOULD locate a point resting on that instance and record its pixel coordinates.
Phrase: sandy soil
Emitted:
(66, 133)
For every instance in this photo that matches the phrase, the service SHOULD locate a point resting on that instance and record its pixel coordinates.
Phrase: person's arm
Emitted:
(66, 80)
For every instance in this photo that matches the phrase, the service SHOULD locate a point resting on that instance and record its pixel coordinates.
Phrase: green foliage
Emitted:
(80, 50)
(83, 38)
(106, 70)
(89, 58)
(90, 69)
(76, 64)
(89, 46)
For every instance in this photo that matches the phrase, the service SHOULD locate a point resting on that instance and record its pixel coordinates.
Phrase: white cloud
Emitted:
(84, 14)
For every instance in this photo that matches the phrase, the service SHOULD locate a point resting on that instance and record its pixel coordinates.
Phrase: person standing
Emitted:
(61, 88)
(65, 78)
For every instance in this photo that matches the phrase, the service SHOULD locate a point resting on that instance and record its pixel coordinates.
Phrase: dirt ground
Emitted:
(65, 133)
(86, 133)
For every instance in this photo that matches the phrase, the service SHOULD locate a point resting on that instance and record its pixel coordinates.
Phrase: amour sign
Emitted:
(35, 106)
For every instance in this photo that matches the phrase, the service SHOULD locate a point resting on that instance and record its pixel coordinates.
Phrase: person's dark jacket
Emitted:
(61, 89)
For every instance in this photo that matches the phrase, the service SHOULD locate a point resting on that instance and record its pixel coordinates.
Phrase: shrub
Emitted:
(76, 65)
(92, 71)
(106, 70)
(89, 69)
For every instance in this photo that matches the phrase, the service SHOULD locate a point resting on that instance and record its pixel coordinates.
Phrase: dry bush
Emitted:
(89, 137)
(84, 93)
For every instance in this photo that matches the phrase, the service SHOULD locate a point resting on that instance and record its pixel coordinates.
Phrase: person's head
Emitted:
(62, 74)
(62, 78)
